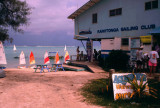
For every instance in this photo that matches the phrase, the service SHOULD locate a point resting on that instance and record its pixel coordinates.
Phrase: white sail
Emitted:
(14, 48)
(65, 48)
(22, 59)
(2, 54)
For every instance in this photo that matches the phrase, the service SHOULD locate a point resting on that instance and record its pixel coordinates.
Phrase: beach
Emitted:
(23, 88)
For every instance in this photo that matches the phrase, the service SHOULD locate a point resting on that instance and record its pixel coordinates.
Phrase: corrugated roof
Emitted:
(83, 8)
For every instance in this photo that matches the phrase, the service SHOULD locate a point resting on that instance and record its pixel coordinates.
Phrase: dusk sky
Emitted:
(49, 25)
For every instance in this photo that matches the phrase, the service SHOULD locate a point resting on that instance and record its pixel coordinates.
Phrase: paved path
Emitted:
(92, 65)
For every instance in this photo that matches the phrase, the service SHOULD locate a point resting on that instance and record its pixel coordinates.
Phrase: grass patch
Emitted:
(96, 93)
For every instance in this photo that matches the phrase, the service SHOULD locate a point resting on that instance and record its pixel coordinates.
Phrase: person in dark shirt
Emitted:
(95, 54)
(78, 53)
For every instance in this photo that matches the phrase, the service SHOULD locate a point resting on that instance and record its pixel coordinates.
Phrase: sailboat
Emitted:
(66, 57)
(57, 58)
(65, 48)
(14, 48)
(46, 58)
(22, 60)
(2, 57)
(32, 60)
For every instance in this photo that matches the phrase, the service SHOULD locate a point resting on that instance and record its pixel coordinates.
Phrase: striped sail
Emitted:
(31, 58)
(46, 58)
(66, 57)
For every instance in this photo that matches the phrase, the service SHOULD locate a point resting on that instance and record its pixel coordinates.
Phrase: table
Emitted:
(57, 66)
(42, 67)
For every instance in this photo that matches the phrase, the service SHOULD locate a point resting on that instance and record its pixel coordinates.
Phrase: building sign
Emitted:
(85, 32)
(121, 88)
(131, 28)
(146, 39)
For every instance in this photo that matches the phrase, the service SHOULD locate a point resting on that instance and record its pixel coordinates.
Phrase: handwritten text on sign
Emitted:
(121, 88)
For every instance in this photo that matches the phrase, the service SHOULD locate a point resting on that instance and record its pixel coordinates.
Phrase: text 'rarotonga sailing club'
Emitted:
(143, 27)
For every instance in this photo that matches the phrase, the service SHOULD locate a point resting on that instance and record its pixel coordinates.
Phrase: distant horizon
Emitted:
(38, 45)
(47, 45)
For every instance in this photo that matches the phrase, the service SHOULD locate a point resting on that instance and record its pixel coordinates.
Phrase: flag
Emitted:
(31, 58)
(57, 58)
(66, 57)
(46, 58)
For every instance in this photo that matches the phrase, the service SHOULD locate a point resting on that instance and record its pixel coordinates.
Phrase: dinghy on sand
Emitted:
(22, 61)
(2, 57)
(32, 60)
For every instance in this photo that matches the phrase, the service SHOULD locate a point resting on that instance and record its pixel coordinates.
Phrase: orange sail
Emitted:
(57, 58)
(66, 57)
(31, 58)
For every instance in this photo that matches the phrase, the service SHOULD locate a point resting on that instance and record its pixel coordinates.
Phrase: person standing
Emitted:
(139, 57)
(95, 54)
(81, 56)
(145, 62)
(78, 53)
(153, 55)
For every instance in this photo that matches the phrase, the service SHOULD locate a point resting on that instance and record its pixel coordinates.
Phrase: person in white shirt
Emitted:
(153, 55)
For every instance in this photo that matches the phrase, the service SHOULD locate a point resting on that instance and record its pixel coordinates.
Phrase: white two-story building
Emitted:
(119, 24)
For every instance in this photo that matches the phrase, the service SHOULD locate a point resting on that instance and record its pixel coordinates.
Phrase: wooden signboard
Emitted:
(121, 88)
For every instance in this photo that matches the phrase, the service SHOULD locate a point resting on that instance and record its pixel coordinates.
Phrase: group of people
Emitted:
(146, 60)
(80, 56)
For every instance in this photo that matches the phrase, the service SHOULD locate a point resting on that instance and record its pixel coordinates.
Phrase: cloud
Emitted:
(51, 15)
(49, 24)
(70, 33)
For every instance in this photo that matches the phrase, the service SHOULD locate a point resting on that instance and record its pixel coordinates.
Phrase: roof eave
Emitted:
(83, 8)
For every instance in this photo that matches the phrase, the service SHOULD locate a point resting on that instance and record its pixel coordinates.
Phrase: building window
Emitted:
(125, 41)
(94, 18)
(151, 5)
(115, 12)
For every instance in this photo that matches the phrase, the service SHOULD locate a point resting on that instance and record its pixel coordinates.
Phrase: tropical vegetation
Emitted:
(95, 92)
(13, 15)
(117, 59)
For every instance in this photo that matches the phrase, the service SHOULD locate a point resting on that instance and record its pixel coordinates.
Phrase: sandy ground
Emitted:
(22, 88)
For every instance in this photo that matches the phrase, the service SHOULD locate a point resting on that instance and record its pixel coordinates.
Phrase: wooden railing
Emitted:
(81, 58)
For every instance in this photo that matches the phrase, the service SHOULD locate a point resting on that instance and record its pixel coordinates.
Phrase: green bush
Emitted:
(117, 59)
(95, 92)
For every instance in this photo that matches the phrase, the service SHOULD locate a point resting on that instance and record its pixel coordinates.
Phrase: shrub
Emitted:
(117, 59)
(140, 90)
